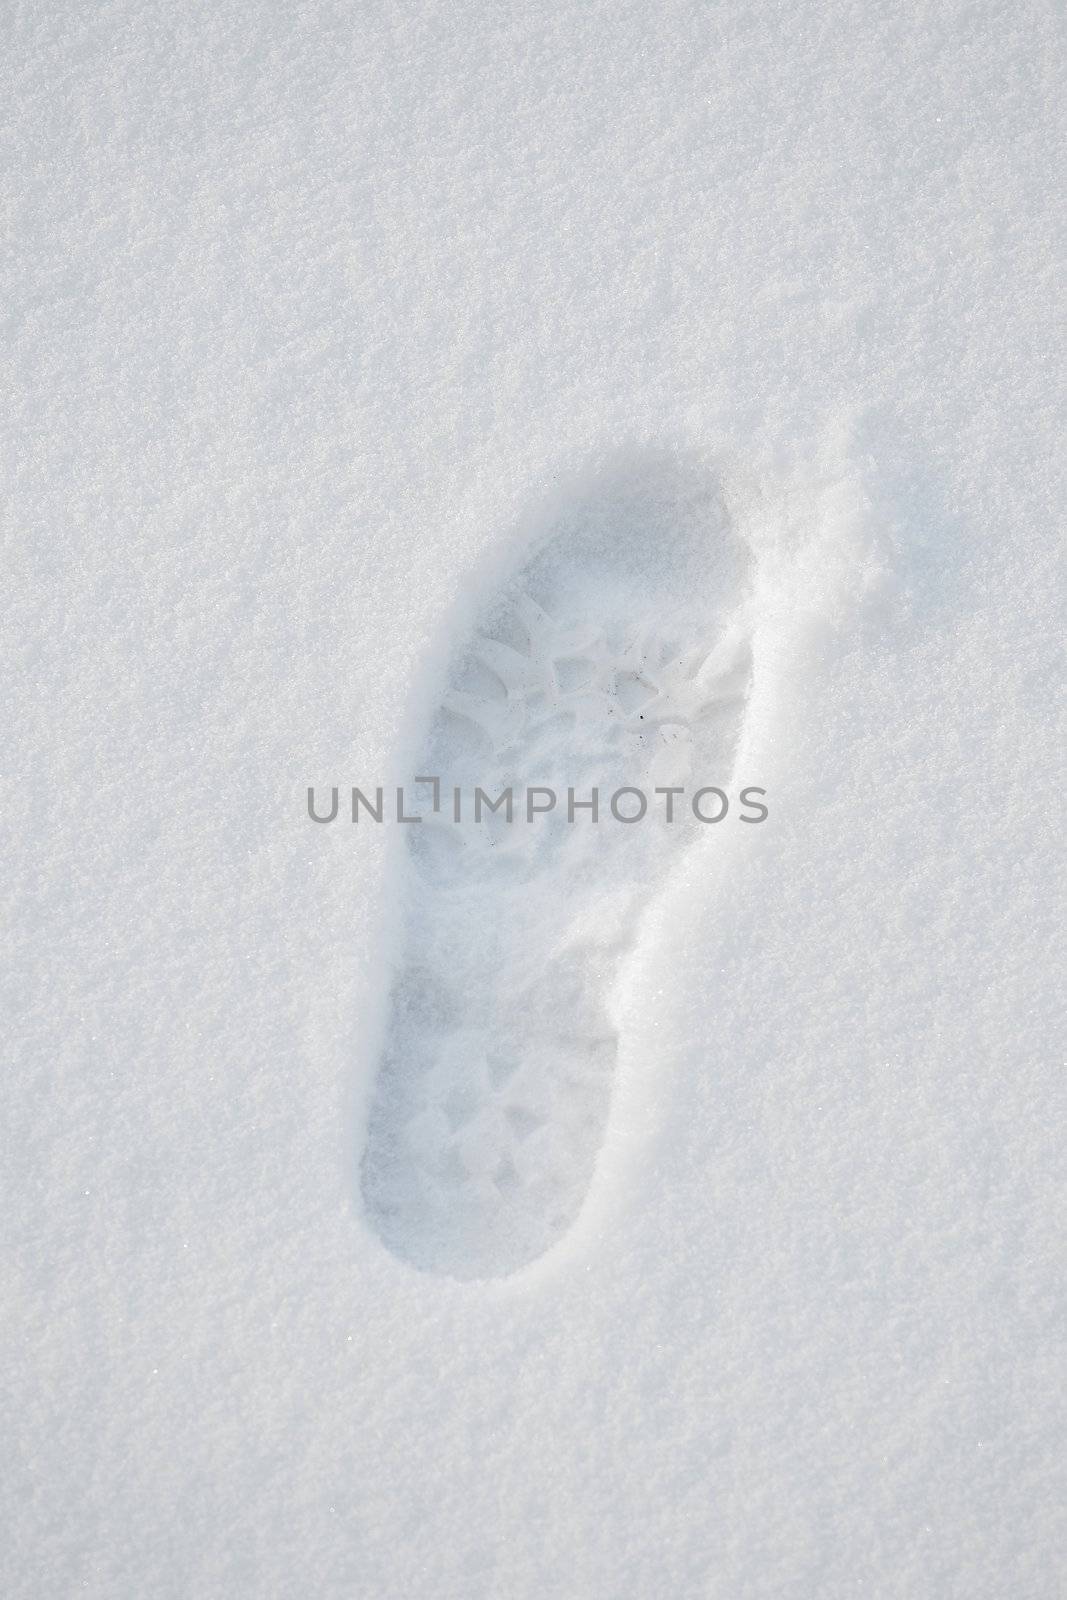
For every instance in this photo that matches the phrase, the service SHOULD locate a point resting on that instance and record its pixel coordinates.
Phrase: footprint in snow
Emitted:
(617, 657)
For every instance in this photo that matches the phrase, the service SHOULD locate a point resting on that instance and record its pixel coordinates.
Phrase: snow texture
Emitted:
(612, 1214)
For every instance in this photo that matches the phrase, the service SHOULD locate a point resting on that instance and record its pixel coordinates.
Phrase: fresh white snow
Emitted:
(319, 323)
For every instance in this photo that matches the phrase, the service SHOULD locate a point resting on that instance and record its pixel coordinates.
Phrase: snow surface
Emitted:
(309, 315)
